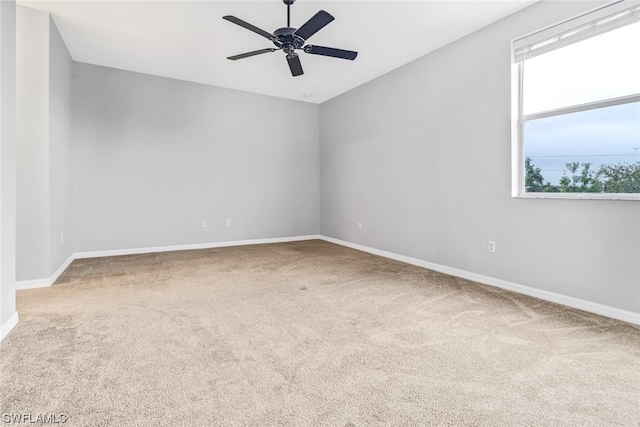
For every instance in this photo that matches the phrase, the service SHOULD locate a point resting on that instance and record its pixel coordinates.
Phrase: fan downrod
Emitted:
(288, 3)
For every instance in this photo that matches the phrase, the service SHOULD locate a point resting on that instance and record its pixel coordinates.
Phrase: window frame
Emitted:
(518, 120)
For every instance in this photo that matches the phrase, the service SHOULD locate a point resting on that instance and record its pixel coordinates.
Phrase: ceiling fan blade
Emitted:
(253, 53)
(315, 24)
(248, 26)
(330, 51)
(294, 64)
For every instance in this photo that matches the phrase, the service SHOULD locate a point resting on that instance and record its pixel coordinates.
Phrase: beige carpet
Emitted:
(308, 334)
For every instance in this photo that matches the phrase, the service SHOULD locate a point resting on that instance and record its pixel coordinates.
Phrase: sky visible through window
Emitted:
(599, 68)
(599, 136)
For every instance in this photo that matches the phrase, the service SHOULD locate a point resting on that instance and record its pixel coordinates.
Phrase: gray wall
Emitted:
(32, 108)
(7, 160)
(44, 158)
(154, 157)
(60, 154)
(421, 156)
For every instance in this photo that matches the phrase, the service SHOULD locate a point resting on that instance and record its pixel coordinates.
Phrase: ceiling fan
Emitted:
(289, 39)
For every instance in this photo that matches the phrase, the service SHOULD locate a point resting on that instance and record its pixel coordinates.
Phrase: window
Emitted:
(576, 107)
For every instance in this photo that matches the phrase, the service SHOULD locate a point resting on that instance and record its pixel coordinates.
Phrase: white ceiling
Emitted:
(190, 40)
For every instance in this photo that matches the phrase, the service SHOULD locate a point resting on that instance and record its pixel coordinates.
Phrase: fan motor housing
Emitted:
(287, 39)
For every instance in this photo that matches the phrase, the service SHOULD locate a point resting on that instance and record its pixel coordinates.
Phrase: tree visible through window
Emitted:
(579, 105)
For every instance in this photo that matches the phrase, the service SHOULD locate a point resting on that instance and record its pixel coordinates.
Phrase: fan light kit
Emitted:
(288, 39)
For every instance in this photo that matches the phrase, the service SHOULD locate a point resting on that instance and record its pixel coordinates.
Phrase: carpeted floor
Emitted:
(308, 334)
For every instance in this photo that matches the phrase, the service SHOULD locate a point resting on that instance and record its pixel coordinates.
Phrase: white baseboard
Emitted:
(62, 268)
(32, 284)
(8, 326)
(136, 251)
(604, 310)
(43, 283)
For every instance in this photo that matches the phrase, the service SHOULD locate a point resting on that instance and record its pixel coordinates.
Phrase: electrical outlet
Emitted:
(491, 246)
(359, 226)
(204, 224)
(228, 223)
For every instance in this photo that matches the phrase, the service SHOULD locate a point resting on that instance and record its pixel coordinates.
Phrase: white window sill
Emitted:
(580, 196)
